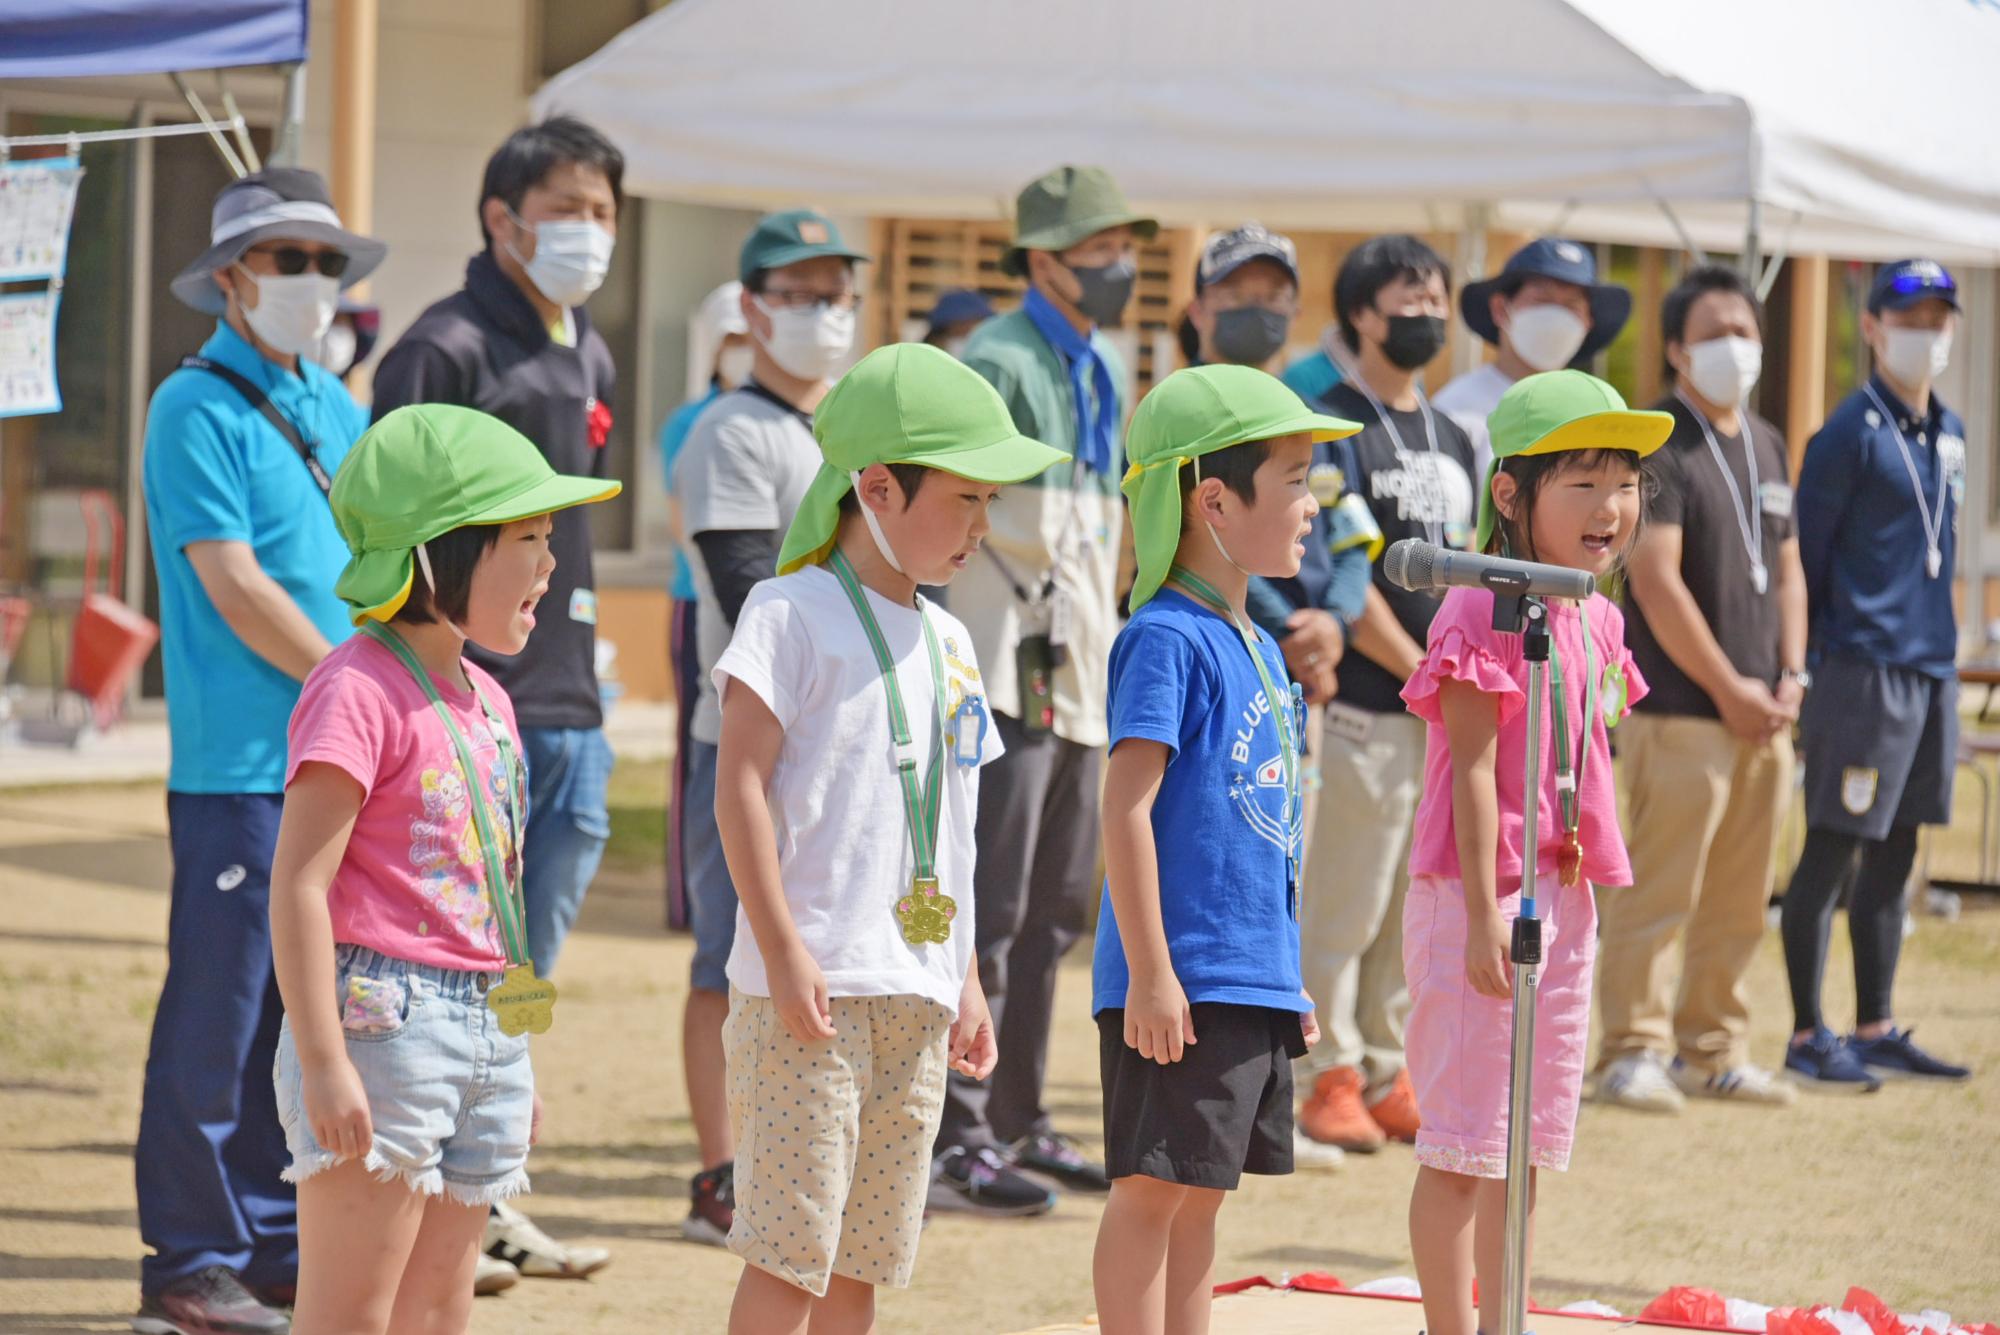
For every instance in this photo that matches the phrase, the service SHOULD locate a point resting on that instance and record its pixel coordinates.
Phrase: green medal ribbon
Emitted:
(523, 1001)
(1278, 703)
(1569, 768)
(925, 914)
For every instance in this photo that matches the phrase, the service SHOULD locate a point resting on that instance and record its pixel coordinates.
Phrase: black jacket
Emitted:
(485, 347)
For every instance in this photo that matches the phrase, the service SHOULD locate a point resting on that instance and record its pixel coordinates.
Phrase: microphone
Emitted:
(1424, 568)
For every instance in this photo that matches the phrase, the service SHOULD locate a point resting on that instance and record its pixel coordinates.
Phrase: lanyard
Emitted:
(1570, 757)
(919, 912)
(1749, 524)
(503, 891)
(1432, 490)
(1279, 705)
(1933, 523)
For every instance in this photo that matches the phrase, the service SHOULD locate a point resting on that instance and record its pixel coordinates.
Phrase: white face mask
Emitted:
(336, 349)
(1724, 370)
(570, 260)
(732, 365)
(1915, 356)
(1546, 337)
(810, 344)
(293, 311)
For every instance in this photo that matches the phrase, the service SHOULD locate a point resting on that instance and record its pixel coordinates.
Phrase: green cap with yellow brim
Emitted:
(1193, 412)
(427, 469)
(1564, 410)
(907, 403)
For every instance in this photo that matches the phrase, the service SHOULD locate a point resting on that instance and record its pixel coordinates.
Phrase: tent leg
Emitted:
(1471, 264)
(1753, 257)
(292, 124)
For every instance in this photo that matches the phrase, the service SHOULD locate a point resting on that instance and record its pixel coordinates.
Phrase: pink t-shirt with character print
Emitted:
(412, 884)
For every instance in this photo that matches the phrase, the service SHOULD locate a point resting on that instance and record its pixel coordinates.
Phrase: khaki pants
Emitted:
(1351, 905)
(1702, 820)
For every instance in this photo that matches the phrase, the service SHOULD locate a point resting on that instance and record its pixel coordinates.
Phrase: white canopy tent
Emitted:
(1834, 129)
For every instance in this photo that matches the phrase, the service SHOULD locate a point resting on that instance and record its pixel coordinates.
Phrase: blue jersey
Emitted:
(216, 470)
(1223, 826)
(1862, 538)
(672, 436)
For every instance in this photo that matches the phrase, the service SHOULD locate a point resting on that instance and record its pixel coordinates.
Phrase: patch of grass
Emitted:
(637, 800)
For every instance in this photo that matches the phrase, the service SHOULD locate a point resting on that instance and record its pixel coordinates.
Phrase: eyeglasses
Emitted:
(805, 301)
(291, 260)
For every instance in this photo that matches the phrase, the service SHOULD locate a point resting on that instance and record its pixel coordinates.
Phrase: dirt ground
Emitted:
(1899, 1192)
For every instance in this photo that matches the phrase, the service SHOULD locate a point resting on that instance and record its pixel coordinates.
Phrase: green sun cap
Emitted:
(1193, 412)
(1065, 207)
(423, 471)
(907, 403)
(1564, 410)
(785, 238)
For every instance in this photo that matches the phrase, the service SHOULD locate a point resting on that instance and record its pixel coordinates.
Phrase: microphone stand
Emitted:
(1528, 617)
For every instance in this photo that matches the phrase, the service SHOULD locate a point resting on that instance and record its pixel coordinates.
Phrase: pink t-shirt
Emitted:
(412, 883)
(1465, 647)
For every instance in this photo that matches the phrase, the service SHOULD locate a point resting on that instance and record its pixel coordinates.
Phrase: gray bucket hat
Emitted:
(283, 203)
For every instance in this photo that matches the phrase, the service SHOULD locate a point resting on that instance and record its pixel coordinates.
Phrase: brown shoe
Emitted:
(1334, 1115)
(1395, 1110)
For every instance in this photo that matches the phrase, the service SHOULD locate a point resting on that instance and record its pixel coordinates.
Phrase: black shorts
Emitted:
(1880, 744)
(1223, 1110)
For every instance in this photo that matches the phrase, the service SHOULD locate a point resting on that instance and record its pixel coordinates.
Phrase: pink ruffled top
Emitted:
(1465, 647)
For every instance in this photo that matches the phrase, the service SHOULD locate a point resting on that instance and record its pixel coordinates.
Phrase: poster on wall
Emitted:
(28, 353)
(37, 198)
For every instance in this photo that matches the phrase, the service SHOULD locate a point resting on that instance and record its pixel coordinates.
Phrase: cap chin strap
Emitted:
(1213, 536)
(875, 527)
(430, 580)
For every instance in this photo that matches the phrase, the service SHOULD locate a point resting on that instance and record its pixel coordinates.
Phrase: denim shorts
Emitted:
(711, 895)
(450, 1096)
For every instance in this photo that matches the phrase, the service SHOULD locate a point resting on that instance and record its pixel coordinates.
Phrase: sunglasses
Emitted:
(291, 260)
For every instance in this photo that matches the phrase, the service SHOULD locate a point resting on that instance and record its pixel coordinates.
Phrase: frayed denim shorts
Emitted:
(450, 1096)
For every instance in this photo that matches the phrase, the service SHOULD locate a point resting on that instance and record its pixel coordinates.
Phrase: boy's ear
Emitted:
(1205, 501)
(877, 489)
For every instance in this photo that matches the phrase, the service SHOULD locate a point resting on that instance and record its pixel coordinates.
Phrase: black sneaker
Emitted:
(980, 1182)
(712, 1206)
(1052, 1155)
(1894, 1055)
(208, 1302)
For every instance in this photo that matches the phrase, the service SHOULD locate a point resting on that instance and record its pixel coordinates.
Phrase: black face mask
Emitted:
(1106, 289)
(1413, 340)
(1249, 335)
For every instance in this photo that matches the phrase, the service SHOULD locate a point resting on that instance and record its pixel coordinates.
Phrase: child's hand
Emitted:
(535, 1122)
(1158, 1021)
(973, 1051)
(1309, 1019)
(798, 990)
(1487, 966)
(337, 1108)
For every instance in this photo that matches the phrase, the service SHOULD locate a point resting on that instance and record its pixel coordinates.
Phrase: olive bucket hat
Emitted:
(427, 469)
(907, 403)
(1066, 206)
(1564, 410)
(1196, 411)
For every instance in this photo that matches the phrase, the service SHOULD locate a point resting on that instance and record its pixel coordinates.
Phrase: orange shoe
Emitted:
(1334, 1115)
(1396, 1110)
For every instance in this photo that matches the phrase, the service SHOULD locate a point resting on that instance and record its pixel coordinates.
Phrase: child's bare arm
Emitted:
(751, 739)
(320, 808)
(1471, 726)
(1157, 1019)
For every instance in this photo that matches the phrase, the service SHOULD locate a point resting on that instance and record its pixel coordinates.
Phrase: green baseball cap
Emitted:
(785, 238)
(1564, 410)
(907, 403)
(1196, 411)
(1066, 206)
(427, 469)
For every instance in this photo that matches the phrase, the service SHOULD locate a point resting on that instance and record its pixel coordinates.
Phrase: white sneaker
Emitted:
(1741, 1084)
(1311, 1155)
(493, 1275)
(1637, 1080)
(513, 1238)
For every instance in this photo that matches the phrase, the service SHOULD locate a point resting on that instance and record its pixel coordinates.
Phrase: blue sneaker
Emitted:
(1824, 1062)
(1894, 1055)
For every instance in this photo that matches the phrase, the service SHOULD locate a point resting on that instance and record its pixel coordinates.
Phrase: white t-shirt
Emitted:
(746, 466)
(843, 837)
(1467, 401)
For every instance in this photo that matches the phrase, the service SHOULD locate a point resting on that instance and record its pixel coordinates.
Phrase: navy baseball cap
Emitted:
(1907, 282)
(1565, 261)
(1226, 252)
(958, 305)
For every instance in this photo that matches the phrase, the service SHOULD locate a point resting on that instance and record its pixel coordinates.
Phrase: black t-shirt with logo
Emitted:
(1413, 493)
(1689, 490)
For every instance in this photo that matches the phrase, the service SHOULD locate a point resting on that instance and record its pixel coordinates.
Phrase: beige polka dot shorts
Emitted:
(833, 1139)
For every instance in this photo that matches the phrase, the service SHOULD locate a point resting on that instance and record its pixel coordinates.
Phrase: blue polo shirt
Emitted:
(672, 436)
(217, 470)
(1861, 532)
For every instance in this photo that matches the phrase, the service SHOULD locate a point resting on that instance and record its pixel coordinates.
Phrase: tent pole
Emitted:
(354, 48)
(1753, 257)
(293, 119)
(1471, 265)
(200, 109)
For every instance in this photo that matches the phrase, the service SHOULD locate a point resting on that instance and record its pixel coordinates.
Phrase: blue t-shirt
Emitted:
(1181, 675)
(672, 436)
(1861, 532)
(216, 470)
(1311, 376)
